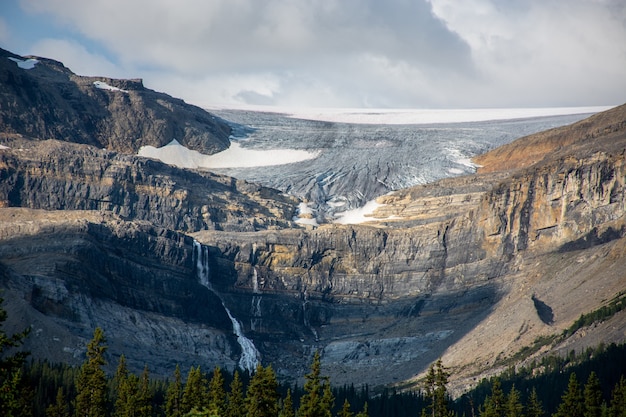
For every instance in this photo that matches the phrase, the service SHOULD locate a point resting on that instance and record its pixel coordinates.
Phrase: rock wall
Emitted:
(66, 272)
(55, 175)
(50, 102)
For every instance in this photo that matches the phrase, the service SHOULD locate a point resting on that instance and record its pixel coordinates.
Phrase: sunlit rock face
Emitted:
(452, 267)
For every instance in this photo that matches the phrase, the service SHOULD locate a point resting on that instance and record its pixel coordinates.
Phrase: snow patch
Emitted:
(461, 159)
(234, 157)
(305, 215)
(359, 215)
(25, 64)
(104, 86)
(2, 147)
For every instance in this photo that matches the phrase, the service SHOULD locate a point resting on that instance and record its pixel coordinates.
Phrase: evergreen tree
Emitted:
(174, 396)
(318, 400)
(119, 387)
(235, 406)
(436, 391)
(14, 394)
(127, 402)
(287, 408)
(217, 395)
(514, 406)
(534, 407)
(91, 382)
(618, 399)
(195, 392)
(60, 408)
(345, 410)
(494, 405)
(144, 396)
(572, 401)
(262, 396)
(593, 397)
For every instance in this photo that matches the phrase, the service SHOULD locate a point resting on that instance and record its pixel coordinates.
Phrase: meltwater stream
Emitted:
(249, 353)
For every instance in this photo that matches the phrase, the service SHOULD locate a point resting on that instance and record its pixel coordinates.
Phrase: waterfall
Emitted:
(255, 308)
(249, 354)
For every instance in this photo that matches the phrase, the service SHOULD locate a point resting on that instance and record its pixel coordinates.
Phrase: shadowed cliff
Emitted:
(471, 268)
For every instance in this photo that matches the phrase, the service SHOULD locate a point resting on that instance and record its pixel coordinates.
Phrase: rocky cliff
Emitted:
(45, 100)
(456, 268)
(56, 175)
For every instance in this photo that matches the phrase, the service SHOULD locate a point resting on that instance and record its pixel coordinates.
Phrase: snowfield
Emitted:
(25, 64)
(104, 86)
(234, 157)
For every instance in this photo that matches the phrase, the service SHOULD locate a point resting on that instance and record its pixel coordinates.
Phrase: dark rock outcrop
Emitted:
(48, 101)
(55, 175)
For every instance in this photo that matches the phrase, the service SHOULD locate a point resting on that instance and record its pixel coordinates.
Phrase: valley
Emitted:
(467, 266)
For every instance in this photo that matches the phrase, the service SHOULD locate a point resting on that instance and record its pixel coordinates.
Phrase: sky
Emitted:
(424, 54)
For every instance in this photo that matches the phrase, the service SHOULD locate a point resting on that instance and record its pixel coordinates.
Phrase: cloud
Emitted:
(397, 53)
(76, 57)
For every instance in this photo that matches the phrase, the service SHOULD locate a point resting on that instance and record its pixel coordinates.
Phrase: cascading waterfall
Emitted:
(255, 308)
(249, 354)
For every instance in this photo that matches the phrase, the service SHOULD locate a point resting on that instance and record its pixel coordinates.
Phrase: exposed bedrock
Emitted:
(50, 102)
(56, 175)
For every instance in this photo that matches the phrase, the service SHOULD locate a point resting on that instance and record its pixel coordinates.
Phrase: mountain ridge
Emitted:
(449, 269)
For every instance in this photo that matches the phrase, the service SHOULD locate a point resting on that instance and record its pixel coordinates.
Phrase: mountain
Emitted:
(42, 99)
(472, 268)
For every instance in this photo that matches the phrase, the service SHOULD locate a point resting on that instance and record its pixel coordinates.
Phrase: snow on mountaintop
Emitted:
(104, 86)
(25, 64)
(234, 157)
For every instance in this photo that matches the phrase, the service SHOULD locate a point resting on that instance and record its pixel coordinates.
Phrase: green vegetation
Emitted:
(603, 313)
(41, 389)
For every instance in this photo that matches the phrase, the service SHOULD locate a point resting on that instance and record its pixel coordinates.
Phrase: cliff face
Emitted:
(461, 244)
(66, 272)
(92, 237)
(48, 101)
(55, 175)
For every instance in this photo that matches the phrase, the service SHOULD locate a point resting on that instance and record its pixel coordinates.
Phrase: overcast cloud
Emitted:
(340, 53)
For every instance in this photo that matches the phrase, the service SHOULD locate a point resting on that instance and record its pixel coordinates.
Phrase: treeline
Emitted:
(550, 379)
(55, 390)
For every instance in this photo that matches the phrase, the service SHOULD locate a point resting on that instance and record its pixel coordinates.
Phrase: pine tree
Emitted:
(262, 396)
(494, 405)
(195, 392)
(91, 382)
(127, 402)
(514, 406)
(287, 408)
(618, 399)
(593, 397)
(436, 391)
(572, 400)
(60, 408)
(534, 407)
(14, 394)
(144, 397)
(235, 406)
(121, 387)
(345, 410)
(174, 396)
(217, 395)
(318, 400)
